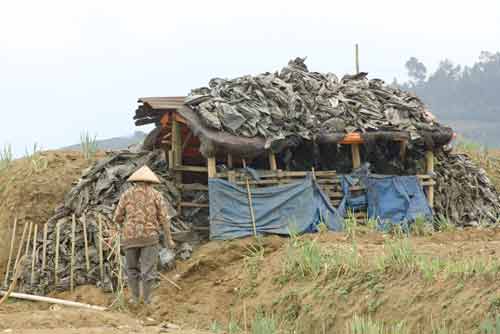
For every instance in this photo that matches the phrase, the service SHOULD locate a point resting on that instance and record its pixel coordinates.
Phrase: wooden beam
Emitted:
(211, 165)
(193, 205)
(33, 255)
(429, 168)
(402, 149)
(230, 161)
(356, 157)
(195, 169)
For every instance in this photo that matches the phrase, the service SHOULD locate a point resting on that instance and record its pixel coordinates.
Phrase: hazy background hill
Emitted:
(465, 97)
(115, 143)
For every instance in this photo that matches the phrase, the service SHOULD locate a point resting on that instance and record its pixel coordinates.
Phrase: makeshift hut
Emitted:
(255, 141)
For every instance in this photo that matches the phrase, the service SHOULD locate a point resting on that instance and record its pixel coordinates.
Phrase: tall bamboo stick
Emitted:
(33, 255)
(29, 238)
(86, 241)
(56, 261)
(72, 264)
(20, 248)
(101, 260)
(44, 255)
(11, 251)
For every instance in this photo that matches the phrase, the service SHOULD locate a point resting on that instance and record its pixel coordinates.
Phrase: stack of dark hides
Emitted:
(95, 198)
(464, 193)
(295, 102)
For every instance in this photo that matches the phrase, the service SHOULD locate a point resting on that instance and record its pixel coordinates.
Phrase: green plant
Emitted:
(490, 326)
(215, 327)
(443, 224)
(88, 145)
(304, 258)
(398, 257)
(36, 159)
(430, 267)
(263, 324)
(421, 227)
(6, 156)
(252, 261)
(365, 325)
(350, 225)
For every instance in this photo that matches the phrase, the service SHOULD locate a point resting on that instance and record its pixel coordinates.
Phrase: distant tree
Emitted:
(416, 70)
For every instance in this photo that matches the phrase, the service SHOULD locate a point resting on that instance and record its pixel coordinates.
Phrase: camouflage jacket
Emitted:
(142, 211)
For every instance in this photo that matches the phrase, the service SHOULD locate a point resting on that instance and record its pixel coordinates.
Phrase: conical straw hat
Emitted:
(144, 174)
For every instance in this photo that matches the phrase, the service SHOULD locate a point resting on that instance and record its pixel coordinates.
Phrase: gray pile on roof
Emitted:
(297, 102)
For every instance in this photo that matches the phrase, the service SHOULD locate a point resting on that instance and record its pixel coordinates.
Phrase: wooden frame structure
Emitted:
(179, 139)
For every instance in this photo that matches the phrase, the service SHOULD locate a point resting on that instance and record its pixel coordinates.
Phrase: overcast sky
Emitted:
(69, 66)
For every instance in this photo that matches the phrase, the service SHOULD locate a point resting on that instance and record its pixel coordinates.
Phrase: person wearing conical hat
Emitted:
(141, 212)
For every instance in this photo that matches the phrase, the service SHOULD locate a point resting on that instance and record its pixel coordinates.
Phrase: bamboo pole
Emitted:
(44, 247)
(29, 238)
(11, 251)
(250, 204)
(357, 58)
(56, 260)
(33, 255)
(53, 301)
(20, 248)
(86, 242)
(13, 284)
(72, 263)
(429, 166)
(119, 262)
(101, 262)
(170, 281)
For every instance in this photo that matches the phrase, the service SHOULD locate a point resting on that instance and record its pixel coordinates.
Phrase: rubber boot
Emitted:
(147, 288)
(133, 285)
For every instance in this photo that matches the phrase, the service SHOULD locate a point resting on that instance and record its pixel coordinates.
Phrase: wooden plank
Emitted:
(193, 205)
(356, 157)
(193, 187)
(195, 169)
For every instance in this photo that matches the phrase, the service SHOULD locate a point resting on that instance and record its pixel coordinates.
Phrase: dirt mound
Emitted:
(31, 188)
(228, 282)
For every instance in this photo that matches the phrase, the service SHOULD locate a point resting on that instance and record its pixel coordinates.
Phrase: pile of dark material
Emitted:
(296, 102)
(95, 198)
(464, 194)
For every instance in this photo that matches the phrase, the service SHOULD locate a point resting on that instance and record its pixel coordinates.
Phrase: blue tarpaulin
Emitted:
(296, 207)
(389, 199)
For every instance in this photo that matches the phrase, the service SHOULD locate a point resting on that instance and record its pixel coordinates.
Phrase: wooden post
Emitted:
(357, 58)
(20, 248)
(44, 247)
(356, 157)
(33, 255)
(272, 161)
(119, 259)
(86, 242)
(211, 167)
(250, 203)
(72, 263)
(29, 238)
(11, 251)
(56, 260)
(429, 166)
(230, 161)
(402, 149)
(101, 259)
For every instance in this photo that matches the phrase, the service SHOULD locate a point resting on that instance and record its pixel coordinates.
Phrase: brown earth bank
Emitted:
(251, 283)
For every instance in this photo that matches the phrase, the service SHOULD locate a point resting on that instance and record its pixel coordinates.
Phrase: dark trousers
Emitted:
(141, 262)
